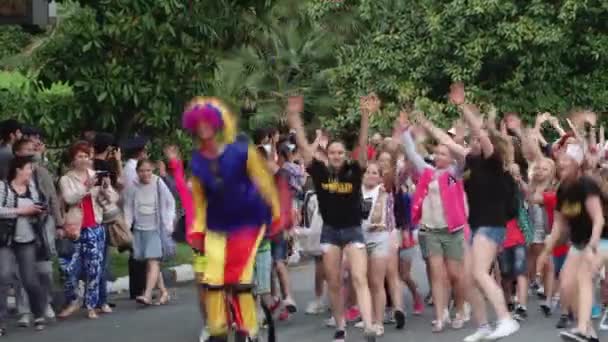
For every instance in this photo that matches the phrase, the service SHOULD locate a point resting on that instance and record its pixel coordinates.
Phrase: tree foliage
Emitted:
(132, 64)
(523, 56)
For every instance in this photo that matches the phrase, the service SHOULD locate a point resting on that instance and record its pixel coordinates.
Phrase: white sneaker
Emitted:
(330, 322)
(204, 335)
(360, 325)
(379, 330)
(290, 305)
(49, 313)
(479, 335)
(504, 328)
(603, 326)
(315, 307)
(25, 321)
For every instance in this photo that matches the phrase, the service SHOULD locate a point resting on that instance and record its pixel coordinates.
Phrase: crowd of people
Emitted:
(67, 217)
(497, 210)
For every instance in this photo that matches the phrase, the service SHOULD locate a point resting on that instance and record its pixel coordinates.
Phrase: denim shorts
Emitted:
(378, 243)
(558, 264)
(513, 261)
(408, 254)
(579, 248)
(495, 234)
(341, 237)
(279, 248)
(262, 271)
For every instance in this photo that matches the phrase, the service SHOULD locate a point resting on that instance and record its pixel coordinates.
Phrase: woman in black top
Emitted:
(579, 214)
(491, 197)
(338, 188)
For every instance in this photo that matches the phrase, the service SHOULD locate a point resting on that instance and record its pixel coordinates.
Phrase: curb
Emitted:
(173, 275)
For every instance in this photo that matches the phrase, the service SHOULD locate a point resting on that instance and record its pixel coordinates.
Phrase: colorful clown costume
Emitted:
(234, 200)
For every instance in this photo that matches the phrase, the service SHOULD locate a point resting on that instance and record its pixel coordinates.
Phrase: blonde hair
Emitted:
(548, 182)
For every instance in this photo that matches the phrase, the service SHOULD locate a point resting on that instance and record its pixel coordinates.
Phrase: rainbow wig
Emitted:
(213, 111)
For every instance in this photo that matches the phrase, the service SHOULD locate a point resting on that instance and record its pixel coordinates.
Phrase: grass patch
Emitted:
(119, 262)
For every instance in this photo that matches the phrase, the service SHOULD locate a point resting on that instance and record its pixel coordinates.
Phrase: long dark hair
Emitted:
(18, 163)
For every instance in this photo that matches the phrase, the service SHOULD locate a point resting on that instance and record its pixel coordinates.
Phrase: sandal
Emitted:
(92, 314)
(69, 311)
(143, 300)
(164, 298)
(105, 309)
(458, 321)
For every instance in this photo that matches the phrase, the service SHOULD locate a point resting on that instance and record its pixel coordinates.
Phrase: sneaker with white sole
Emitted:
(479, 335)
(604, 321)
(49, 313)
(25, 321)
(330, 322)
(290, 305)
(504, 328)
(316, 307)
(360, 325)
(204, 335)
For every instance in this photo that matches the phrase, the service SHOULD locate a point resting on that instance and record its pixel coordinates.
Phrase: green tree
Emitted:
(133, 64)
(523, 56)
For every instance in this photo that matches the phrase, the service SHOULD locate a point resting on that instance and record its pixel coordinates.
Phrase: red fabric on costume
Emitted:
(241, 245)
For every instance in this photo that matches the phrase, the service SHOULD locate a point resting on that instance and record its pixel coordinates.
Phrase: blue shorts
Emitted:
(262, 273)
(558, 263)
(342, 237)
(513, 262)
(495, 234)
(279, 248)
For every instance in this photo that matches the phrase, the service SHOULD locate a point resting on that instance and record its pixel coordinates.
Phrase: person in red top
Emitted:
(83, 193)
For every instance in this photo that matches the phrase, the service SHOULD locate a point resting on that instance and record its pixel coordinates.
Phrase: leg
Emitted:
(376, 286)
(484, 253)
(405, 271)
(332, 259)
(70, 270)
(152, 278)
(439, 289)
(453, 245)
(392, 276)
(93, 246)
(585, 290)
(319, 278)
(357, 256)
(26, 259)
(6, 277)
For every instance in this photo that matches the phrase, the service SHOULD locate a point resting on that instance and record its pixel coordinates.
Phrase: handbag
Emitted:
(119, 234)
(166, 240)
(7, 226)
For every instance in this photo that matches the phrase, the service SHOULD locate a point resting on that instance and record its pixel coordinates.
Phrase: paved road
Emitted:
(179, 322)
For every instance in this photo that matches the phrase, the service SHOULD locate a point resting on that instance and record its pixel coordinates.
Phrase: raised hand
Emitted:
(373, 103)
(295, 104)
(171, 152)
(457, 93)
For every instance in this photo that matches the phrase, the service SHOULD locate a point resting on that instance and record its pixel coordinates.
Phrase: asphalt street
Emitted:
(180, 321)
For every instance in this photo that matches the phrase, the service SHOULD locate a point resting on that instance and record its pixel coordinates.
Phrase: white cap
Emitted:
(575, 152)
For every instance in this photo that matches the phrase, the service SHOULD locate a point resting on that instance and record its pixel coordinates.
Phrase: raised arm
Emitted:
(460, 152)
(367, 105)
(295, 105)
(411, 153)
(471, 116)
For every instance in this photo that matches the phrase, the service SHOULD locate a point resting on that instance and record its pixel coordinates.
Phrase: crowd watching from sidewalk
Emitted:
(498, 211)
